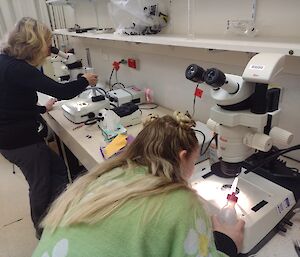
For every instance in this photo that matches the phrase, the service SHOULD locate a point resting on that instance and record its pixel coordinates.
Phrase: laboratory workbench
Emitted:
(85, 143)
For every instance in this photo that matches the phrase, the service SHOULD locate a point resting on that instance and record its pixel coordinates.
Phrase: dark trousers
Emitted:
(45, 172)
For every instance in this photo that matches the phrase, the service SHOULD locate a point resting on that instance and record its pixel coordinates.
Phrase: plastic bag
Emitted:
(242, 27)
(138, 17)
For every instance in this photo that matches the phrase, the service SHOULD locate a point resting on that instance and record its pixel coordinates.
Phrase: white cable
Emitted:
(97, 16)
(253, 14)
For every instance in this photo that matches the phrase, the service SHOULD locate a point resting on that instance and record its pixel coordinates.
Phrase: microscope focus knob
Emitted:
(280, 136)
(261, 142)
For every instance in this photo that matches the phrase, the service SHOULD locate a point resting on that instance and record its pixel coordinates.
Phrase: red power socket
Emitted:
(131, 63)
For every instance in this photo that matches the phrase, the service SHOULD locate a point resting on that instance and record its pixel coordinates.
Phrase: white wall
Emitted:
(162, 67)
(274, 18)
(13, 10)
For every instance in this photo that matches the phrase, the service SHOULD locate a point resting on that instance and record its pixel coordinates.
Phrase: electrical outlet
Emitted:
(123, 61)
(132, 63)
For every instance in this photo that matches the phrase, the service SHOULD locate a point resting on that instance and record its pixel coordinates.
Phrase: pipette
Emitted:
(234, 185)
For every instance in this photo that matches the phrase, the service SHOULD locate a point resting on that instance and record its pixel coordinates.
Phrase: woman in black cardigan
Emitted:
(26, 48)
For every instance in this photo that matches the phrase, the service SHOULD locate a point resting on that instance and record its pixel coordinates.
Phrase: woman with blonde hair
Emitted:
(26, 48)
(139, 203)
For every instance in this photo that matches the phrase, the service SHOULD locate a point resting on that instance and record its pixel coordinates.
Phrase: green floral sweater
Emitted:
(178, 227)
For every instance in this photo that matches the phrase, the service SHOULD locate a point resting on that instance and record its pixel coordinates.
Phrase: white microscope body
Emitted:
(241, 116)
(63, 67)
(245, 120)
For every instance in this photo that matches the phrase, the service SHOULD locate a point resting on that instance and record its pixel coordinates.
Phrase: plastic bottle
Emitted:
(227, 214)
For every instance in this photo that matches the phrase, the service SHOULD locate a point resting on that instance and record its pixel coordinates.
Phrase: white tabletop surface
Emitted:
(86, 149)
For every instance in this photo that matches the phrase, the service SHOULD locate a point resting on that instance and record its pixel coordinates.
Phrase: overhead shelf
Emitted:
(253, 45)
(63, 2)
(59, 2)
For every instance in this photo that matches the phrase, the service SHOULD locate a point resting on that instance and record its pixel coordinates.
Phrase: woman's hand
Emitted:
(235, 232)
(50, 103)
(91, 78)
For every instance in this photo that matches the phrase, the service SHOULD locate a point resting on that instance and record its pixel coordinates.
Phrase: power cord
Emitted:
(273, 156)
(194, 101)
(100, 91)
(109, 81)
(116, 74)
(116, 67)
(291, 158)
(123, 88)
(203, 141)
(118, 83)
(113, 105)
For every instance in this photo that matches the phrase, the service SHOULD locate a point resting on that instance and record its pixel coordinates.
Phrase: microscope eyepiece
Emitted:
(54, 50)
(194, 73)
(214, 77)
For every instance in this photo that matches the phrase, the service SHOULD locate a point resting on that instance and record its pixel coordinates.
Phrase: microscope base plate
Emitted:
(262, 203)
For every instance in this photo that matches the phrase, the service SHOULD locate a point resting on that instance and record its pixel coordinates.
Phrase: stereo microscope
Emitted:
(245, 119)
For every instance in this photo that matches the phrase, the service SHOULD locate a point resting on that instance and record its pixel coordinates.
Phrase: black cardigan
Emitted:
(19, 84)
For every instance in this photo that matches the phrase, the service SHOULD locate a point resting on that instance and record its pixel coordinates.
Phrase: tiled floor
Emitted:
(17, 235)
